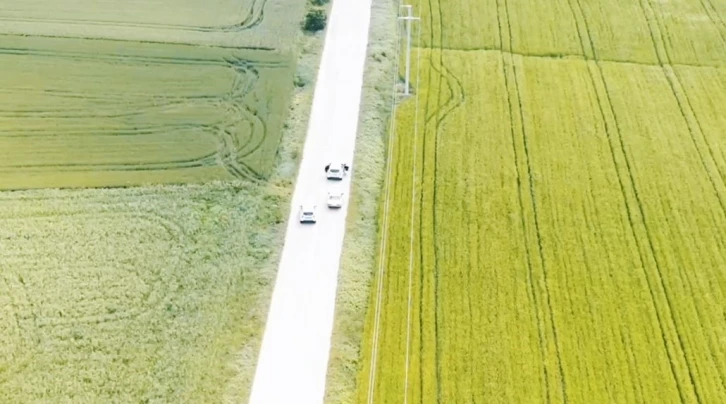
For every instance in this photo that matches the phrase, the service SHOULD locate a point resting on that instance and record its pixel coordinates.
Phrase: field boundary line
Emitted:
(425, 19)
(413, 212)
(384, 223)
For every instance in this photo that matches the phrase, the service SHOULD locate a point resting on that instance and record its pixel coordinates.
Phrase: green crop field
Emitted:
(163, 13)
(76, 112)
(268, 24)
(557, 220)
(174, 129)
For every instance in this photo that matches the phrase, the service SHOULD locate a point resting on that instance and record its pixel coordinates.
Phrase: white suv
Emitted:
(336, 171)
(307, 214)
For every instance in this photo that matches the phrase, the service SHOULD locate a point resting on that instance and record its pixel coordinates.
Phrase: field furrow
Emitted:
(138, 112)
(705, 88)
(270, 24)
(678, 220)
(153, 285)
(127, 295)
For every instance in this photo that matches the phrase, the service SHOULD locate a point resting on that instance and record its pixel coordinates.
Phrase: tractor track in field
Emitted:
(152, 300)
(616, 166)
(388, 192)
(424, 148)
(437, 250)
(478, 200)
(231, 151)
(240, 94)
(427, 117)
(577, 56)
(439, 113)
(82, 56)
(621, 181)
(233, 154)
(442, 111)
(540, 250)
(421, 211)
(639, 204)
(96, 132)
(710, 10)
(538, 232)
(530, 270)
(685, 105)
(255, 16)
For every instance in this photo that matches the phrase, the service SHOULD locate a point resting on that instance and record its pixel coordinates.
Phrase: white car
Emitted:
(335, 200)
(307, 214)
(336, 171)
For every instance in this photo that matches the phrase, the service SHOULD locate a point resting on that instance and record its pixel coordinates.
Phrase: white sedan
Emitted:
(307, 214)
(335, 200)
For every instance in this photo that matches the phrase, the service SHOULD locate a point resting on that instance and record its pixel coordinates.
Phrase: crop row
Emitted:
(69, 117)
(569, 226)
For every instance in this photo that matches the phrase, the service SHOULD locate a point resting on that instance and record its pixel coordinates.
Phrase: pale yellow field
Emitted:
(562, 237)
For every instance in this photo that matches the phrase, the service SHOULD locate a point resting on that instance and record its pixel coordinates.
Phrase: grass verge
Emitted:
(360, 244)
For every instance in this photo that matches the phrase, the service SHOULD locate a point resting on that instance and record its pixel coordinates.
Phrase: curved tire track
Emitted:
(254, 17)
(231, 150)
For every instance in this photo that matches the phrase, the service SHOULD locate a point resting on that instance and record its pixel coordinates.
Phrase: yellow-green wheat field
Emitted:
(562, 237)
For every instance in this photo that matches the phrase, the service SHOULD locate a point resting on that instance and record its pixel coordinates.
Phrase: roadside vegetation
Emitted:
(360, 245)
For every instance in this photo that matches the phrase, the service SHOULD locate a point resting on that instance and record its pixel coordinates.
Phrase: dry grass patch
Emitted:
(132, 295)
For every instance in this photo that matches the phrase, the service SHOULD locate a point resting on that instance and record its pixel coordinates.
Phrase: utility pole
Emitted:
(408, 18)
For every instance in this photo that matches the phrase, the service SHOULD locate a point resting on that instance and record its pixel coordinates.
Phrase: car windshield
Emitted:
(334, 170)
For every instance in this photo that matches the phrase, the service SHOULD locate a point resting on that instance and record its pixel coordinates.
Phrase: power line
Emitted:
(384, 227)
